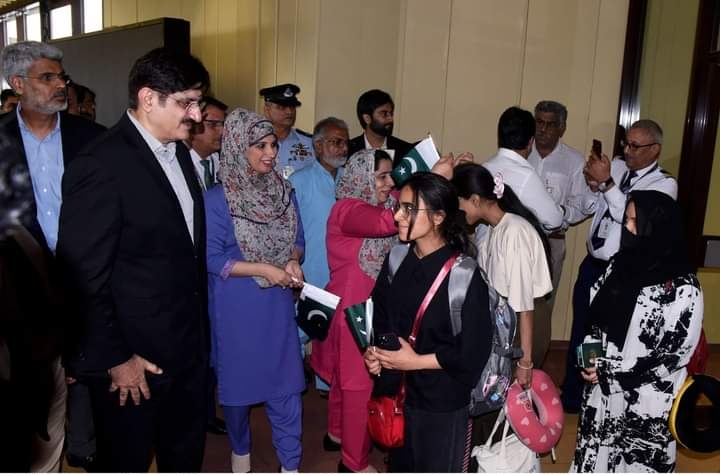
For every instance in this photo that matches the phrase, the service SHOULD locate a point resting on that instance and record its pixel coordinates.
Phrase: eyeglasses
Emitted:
(635, 146)
(540, 123)
(337, 142)
(49, 77)
(214, 123)
(186, 104)
(406, 208)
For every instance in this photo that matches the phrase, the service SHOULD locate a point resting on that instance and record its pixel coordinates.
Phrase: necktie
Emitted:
(625, 185)
(208, 178)
(596, 241)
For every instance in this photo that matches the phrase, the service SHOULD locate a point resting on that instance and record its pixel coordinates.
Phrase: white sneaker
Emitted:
(240, 463)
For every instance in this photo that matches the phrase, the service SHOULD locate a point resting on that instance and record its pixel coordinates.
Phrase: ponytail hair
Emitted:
(472, 178)
(439, 195)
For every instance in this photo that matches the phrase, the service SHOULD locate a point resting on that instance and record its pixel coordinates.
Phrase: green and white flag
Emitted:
(315, 310)
(420, 158)
(359, 318)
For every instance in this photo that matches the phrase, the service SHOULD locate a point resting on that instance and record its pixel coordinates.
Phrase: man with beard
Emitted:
(42, 139)
(132, 243)
(295, 146)
(560, 168)
(375, 111)
(315, 193)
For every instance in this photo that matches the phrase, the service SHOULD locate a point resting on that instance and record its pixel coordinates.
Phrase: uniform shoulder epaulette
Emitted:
(303, 132)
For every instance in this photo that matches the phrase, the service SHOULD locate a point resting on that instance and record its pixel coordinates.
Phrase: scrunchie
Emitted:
(499, 188)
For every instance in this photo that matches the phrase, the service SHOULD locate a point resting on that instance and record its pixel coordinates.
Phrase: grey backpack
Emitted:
(490, 391)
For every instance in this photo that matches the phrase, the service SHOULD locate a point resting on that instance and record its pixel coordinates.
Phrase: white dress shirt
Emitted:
(609, 226)
(525, 182)
(562, 174)
(165, 155)
(200, 169)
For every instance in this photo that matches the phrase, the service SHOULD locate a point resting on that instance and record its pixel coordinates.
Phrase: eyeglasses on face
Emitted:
(186, 104)
(634, 146)
(49, 77)
(337, 142)
(406, 208)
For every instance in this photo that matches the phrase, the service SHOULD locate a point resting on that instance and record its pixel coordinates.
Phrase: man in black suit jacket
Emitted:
(375, 110)
(132, 238)
(37, 141)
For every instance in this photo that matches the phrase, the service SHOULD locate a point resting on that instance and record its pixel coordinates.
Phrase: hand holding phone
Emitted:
(388, 342)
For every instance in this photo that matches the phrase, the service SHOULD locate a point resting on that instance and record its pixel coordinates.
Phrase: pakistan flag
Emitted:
(359, 319)
(315, 310)
(420, 158)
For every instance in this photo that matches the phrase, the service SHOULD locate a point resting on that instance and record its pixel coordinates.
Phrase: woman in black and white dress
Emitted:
(647, 310)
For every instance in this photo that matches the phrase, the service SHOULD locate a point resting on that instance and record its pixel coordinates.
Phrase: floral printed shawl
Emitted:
(264, 218)
(358, 182)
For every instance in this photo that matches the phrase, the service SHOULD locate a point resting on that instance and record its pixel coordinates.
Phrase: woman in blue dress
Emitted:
(254, 244)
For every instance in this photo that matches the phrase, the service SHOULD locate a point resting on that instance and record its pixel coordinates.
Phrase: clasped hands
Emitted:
(404, 358)
(289, 277)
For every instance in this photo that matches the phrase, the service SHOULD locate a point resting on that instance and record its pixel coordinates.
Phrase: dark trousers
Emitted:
(434, 442)
(210, 395)
(572, 387)
(80, 431)
(170, 425)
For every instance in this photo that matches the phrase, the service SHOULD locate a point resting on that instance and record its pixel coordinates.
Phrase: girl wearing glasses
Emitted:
(254, 243)
(444, 365)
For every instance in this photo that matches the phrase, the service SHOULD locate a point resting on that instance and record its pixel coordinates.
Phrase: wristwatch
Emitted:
(605, 185)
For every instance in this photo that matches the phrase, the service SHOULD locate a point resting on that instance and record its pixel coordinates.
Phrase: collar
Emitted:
(648, 169)
(165, 152)
(368, 146)
(321, 169)
(512, 155)
(23, 126)
(197, 158)
(535, 150)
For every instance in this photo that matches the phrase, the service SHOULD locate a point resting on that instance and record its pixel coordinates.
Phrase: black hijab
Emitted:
(654, 256)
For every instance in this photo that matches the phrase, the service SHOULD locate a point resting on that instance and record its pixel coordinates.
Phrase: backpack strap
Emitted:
(458, 285)
(395, 258)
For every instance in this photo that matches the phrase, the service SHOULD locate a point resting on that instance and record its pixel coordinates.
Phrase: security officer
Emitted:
(296, 148)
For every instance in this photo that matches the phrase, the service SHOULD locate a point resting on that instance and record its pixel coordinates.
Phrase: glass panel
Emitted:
(32, 23)
(10, 31)
(93, 15)
(61, 22)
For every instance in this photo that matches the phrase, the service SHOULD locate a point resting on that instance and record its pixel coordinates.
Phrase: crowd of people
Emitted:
(152, 264)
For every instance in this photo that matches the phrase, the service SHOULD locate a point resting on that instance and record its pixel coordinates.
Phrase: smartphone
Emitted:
(597, 147)
(389, 342)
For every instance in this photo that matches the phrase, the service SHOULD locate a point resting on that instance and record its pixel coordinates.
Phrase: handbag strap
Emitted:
(429, 296)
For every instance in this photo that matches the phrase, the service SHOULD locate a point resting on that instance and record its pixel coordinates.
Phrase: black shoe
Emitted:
(87, 463)
(329, 444)
(343, 468)
(216, 426)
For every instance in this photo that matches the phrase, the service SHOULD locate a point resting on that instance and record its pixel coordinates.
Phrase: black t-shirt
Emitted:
(461, 357)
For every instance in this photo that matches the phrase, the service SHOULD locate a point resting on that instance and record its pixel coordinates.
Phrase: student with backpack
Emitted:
(514, 253)
(440, 365)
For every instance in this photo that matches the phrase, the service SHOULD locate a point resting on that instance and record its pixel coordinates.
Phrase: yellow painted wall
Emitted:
(452, 66)
(665, 71)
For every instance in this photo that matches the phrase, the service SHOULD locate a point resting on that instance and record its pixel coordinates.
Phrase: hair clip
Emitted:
(499, 188)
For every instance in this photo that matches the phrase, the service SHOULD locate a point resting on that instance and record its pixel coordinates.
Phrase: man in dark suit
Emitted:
(132, 239)
(375, 110)
(38, 140)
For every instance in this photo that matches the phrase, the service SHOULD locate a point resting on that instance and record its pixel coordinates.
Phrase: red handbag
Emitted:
(386, 418)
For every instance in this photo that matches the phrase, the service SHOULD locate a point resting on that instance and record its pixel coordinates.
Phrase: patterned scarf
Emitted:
(358, 182)
(263, 216)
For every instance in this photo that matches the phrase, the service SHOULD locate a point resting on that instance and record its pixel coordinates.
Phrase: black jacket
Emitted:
(401, 147)
(138, 280)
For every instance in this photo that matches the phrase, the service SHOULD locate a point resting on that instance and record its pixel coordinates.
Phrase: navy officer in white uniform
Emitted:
(295, 146)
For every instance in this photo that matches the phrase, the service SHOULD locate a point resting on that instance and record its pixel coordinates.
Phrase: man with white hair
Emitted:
(42, 139)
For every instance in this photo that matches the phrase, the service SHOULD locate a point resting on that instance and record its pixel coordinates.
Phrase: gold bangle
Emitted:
(523, 367)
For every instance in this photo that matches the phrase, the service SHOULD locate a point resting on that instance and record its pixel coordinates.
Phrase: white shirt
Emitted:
(368, 146)
(651, 177)
(165, 155)
(524, 181)
(513, 257)
(200, 169)
(562, 174)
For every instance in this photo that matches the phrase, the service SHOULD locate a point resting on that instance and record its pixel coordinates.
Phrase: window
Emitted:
(61, 22)
(11, 35)
(92, 15)
(33, 30)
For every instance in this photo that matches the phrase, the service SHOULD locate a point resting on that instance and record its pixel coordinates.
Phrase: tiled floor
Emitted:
(217, 454)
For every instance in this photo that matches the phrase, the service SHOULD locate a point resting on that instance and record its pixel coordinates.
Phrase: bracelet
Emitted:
(523, 367)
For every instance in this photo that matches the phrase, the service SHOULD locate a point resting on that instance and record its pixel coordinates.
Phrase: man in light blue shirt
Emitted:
(315, 193)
